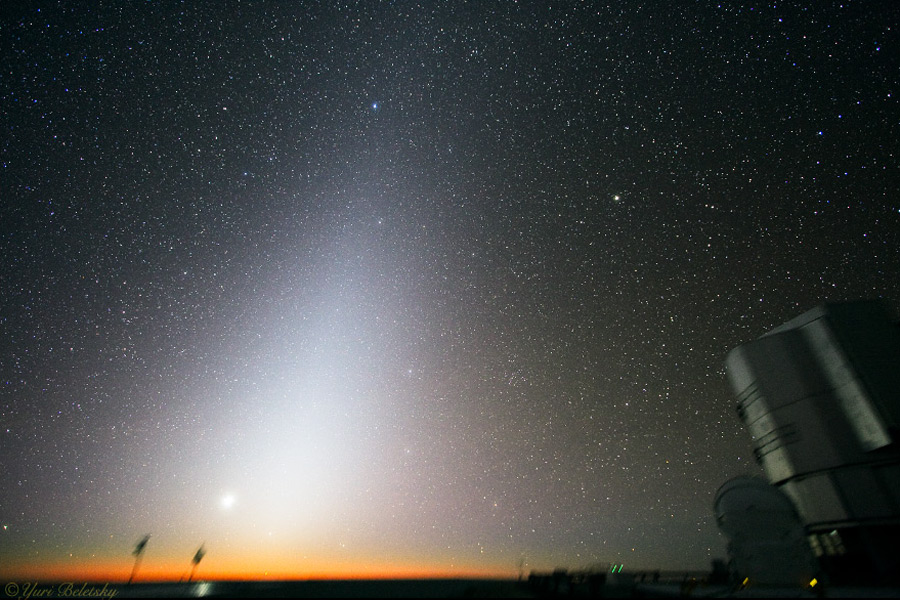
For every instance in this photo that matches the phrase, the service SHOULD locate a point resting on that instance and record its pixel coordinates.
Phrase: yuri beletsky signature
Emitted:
(59, 590)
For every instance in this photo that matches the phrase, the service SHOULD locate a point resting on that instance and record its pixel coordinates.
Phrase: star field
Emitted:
(362, 288)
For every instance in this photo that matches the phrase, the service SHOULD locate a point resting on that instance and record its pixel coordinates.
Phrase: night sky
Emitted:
(383, 288)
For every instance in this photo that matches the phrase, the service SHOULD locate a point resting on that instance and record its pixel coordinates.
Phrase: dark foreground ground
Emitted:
(382, 588)
(426, 588)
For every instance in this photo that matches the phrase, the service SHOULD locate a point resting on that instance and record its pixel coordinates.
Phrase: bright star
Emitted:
(228, 501)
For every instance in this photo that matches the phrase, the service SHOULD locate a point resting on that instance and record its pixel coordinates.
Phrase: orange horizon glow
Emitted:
(118, 573)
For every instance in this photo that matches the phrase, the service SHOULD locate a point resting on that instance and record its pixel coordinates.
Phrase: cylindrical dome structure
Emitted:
(767, 541)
